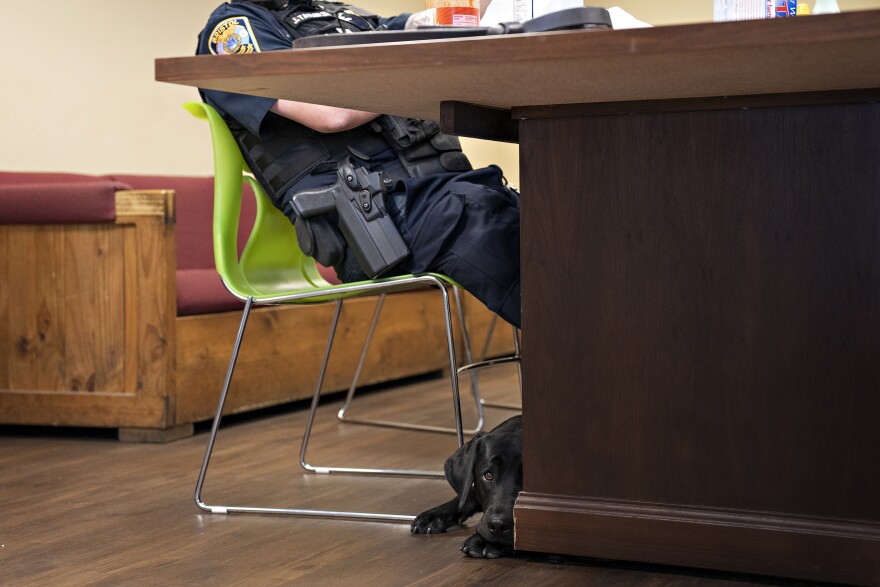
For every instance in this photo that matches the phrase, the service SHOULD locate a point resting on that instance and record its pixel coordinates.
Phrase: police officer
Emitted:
(455, 220)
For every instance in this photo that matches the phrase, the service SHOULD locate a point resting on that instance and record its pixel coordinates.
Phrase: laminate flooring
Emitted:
(78, 507)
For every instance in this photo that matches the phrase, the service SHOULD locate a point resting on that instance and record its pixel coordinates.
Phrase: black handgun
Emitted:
(358, 197)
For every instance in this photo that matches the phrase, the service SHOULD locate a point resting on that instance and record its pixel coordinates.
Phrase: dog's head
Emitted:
(490, 466)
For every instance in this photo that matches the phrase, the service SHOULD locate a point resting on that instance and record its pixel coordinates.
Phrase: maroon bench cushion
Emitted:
(200, 291)
(44, 198)
(194, 205)
(25, 177)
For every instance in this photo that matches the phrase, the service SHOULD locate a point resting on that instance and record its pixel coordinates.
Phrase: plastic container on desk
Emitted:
(454, 12)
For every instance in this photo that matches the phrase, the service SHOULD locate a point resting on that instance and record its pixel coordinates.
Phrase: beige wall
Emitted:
(84, 100)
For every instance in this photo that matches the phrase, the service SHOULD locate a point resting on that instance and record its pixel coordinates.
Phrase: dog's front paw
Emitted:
(477, 547)
(436, 520)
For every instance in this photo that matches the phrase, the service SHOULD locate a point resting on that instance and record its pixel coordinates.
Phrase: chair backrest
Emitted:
(271, 261)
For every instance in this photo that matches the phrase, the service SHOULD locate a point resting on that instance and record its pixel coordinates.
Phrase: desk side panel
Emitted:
(707, 332)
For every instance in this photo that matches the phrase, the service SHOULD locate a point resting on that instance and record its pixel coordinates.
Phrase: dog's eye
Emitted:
(488, 476)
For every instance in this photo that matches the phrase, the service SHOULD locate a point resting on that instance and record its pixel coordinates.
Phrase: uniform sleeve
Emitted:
(248, 110)
(395, 23)
(231, 31)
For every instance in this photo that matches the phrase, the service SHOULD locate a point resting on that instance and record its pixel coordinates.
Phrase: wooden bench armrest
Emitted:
(131, 203)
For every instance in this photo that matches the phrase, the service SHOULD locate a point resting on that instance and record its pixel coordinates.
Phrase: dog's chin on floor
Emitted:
(486, 474)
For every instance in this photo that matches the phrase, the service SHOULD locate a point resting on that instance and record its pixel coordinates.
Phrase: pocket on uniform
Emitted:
(428, 235)
(482, 252)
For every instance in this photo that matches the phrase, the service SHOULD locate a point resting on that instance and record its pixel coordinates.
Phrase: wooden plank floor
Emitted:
(80, 508)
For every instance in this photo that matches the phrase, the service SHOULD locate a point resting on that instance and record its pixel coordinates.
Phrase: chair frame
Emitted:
(471, 367)
(417, 281)
(517, 354)
(344, 416)
(302, 284)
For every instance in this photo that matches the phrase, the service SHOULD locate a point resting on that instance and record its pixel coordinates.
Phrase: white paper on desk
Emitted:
(497, 12)
(507, 10)
(621, 19)
(520, 10)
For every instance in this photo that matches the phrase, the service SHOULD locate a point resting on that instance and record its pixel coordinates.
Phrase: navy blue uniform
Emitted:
(461, 224)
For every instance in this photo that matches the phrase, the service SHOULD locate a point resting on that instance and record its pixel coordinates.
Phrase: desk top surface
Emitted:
(807, 54)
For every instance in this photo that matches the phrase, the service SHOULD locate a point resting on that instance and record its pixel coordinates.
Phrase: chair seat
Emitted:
(296, 290)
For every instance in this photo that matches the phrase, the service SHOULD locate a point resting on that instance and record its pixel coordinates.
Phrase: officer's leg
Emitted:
(465, 226)
(482, 252)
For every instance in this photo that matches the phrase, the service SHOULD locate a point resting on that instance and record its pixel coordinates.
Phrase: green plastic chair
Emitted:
(273, 270)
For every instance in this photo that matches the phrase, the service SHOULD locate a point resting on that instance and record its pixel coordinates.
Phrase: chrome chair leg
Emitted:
(215, 426)
(344, 416)
(515, 357)
(380, 302)
(489, 332)
(380, 471)
(469, 356)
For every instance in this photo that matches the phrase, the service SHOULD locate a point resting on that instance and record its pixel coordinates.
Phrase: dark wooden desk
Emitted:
(701, 274)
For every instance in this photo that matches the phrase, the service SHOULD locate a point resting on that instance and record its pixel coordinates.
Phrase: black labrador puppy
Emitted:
(486, 473)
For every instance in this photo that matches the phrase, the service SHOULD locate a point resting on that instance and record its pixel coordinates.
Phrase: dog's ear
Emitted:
(459, 469)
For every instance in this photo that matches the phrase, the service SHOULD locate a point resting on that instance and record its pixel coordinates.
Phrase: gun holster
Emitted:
(319, 238)
(357, 200)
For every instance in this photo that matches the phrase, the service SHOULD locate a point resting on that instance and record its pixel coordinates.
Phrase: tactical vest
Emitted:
(287, 151)
(304, 19)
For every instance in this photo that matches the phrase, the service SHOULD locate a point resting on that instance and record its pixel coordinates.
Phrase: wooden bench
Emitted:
(111, 314)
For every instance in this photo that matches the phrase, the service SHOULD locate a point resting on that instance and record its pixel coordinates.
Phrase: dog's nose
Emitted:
(497, 525)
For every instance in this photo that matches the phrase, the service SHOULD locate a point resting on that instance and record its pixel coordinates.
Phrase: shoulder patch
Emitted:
(232, 36)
